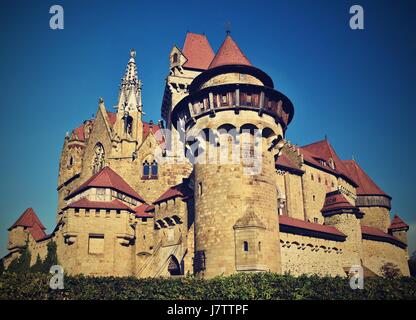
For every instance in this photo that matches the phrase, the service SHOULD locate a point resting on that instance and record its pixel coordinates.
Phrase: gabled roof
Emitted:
(323, 150)
(144, 211)
(197, 51)
(87, 204)
(107, 178)
(370, 233)
(398, 223)
(153, 128)
(297, 226)
(366, 186)
(229, 54)
(30, 220)
(181, 190)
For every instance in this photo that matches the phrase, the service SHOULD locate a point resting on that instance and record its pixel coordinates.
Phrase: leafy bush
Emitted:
(412, 264)
(238, 286)
(390, 270)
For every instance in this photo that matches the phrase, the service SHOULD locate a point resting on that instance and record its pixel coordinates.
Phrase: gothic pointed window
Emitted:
(99, 157)
(146, 169)
(128, 124)
(154, 169)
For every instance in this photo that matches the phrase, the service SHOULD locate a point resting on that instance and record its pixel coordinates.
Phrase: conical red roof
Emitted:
(366, 186)
(197, 51)
(398, 223)
(229, 54)
(335, 201)
(107, 178)
(28, 219)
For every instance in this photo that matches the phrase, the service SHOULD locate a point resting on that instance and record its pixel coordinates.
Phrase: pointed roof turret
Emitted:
(229, 54)
(30, 221)
(336, 203)
(398, 224)
(197, 51)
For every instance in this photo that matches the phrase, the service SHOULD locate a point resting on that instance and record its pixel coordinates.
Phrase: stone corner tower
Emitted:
(232, 124)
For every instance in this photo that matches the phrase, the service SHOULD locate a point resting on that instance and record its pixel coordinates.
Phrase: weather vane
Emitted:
(228, 27)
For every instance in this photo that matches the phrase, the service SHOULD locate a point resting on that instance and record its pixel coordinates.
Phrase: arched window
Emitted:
(128, 124)
(71, 161)
(154, 168)
(245, 246)
(175, 58)
(99, 157)
(146, 169)
(174, 267)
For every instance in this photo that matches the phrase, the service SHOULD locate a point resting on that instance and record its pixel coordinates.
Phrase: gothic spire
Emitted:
(130, 84)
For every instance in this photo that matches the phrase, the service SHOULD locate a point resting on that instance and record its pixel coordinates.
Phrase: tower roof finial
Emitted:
(132, 53)
(228, 27)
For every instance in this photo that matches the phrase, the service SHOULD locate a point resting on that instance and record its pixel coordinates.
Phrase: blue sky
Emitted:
(354, 86)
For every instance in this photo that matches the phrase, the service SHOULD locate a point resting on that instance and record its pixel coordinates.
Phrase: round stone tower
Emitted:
(232, 124)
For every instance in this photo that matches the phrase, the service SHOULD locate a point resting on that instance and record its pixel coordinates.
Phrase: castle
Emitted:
(213, 189)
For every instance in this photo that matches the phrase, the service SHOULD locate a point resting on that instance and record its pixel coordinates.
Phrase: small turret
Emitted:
(399, 228)
(341, 214)
(27, 224)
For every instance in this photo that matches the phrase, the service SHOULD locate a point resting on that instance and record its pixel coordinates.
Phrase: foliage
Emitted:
(412, 264)
(238, 286)
(22, 263)
(390, 270)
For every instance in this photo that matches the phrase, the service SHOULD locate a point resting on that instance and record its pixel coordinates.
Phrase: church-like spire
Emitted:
(130, 85)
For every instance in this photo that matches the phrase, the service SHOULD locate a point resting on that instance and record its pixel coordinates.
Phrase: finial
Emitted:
(228, 27)
(326, 137)
(100, 100)
(352, 157)
(132, 53)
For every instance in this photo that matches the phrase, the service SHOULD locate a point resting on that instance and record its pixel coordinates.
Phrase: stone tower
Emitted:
(233, 123)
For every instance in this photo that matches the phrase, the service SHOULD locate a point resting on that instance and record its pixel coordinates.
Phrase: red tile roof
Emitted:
(197, 51)
(366, 186)
(335, 201)
(398, 223)
(107, 178)
(30, 220)
(228, 54)
(371, 233)
(309, 226)
(285, 162)
(112, 117)
(87, 204)
(143, 211)
(181, 190)
(78, 133)
(323, 150)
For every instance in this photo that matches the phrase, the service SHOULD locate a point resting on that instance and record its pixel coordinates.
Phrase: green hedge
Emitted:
(239, 286)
